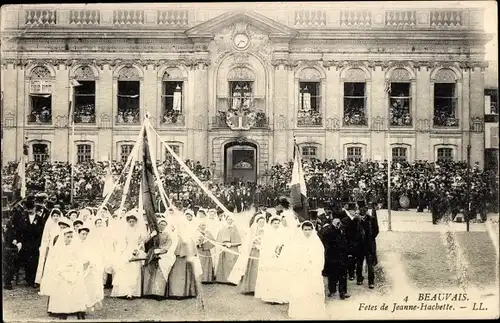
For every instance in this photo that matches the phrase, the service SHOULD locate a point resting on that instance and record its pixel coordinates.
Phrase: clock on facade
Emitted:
(241, 41)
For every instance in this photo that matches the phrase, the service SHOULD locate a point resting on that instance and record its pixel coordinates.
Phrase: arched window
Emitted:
(40, 152)
(355, 107)
(444, 154)
(84, 95)
(40, 96)
(83, 153)
(400, 98)
(399, 154)
(354, 154)
(241, 89)
(128, 96)
(309, 111)
(445, 99)
(173, 97)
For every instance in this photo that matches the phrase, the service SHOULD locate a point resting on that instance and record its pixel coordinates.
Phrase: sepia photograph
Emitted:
(250, 161)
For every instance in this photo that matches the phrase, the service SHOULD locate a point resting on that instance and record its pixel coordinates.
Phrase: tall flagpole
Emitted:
(72, 84)
(389, 159)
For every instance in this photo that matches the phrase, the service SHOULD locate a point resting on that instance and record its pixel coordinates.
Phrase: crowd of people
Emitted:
(72, 256)
(413, 185)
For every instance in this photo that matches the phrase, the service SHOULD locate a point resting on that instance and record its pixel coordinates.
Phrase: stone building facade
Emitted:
(234, 89)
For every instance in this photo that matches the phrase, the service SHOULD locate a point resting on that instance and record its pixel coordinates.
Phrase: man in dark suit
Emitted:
(29, 229)
(368, 249)
(354, 234)
(10, 251)
(336, 258)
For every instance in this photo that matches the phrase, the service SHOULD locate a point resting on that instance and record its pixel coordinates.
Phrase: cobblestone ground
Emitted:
(414, 258)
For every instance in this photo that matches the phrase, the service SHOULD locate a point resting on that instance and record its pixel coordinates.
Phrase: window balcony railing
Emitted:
(128, 119)
(83, 118)
(405, 121)
(355, 121)
(42, 17)
(173, 119)
(398, 18)
(84, 17)
(128, 17)
(309, 120)
(446, 122)
(260, 121)
(446, 18)
(39, 119)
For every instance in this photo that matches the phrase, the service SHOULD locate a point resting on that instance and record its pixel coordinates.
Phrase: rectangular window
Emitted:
(41, 109)
(400, 105)
(40, 153)
(445, 105)
(309, 112)
(125, 152)
(445, 154)
(399, 155)
(84, 102)
(241, 95)
(169, 157)
(309, 152)
(83, 153)
(355, 104)
(354, 154)
(172, 101)
(128, 102)
(491, 101)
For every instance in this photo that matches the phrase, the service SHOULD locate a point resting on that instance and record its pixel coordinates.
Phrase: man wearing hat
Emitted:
(368, 248)
(29, 229)
(354, 234)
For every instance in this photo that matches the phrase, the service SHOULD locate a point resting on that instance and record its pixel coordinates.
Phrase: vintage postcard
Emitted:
(250, 161)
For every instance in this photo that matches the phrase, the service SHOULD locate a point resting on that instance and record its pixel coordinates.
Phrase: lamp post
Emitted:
(213, 165)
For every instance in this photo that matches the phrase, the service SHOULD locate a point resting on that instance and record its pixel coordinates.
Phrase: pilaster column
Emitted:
(198, 114)
(281, 109)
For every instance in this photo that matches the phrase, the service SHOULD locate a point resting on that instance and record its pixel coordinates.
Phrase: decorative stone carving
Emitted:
(172, 73)
(128, 73)
(240, 74)
(9, 120)
(477, 124)
(84, 73)
(105, 121)
(333, 124)
(61, 122)
(310, 74)
(355, 75)
(445, 75)
(378, 124)
(423, 125)
(400, 75)
(40, 73)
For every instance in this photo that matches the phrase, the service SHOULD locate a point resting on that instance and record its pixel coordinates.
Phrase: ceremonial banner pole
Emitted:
(389, 159)
(73, 83)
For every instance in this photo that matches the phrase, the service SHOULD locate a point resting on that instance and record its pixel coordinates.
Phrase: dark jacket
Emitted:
(336, 248)
(354, 233)
(371, 231)
(29, 234)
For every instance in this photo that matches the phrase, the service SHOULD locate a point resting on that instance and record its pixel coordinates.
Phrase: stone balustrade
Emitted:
(310, 18)
(446, 18)
(363, 18)
(400, 18)
(84, 17)
(128, 17)
(355, 18)
(40, 17)
(173, 18)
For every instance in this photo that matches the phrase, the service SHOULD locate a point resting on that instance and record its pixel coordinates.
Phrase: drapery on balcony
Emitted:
(220, 121)
(310, 119)
(128, 118)
(446, 122)
(173, 118)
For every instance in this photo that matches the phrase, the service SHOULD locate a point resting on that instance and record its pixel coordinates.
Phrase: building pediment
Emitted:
(268, 26)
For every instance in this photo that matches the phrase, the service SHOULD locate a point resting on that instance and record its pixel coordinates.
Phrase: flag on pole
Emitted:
(148, 186)
(20, 178)
(298, 187)
(108, 182)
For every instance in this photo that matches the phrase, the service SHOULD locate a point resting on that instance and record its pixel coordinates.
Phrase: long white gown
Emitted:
(271, 285)
(307, 291)
(67, 292)
(127, 280)
(92, 253)
(50, 230)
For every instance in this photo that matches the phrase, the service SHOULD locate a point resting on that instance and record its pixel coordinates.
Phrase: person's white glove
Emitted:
(19, 245)
(153, 234)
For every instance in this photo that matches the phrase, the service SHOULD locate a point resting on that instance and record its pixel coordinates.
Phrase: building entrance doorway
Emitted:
(240, 162)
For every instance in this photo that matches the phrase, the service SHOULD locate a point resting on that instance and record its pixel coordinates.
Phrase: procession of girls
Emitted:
(276, 258)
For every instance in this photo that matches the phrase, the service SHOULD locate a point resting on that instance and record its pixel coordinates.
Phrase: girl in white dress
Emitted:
(127, 280)
(307, 290)
(91, 253)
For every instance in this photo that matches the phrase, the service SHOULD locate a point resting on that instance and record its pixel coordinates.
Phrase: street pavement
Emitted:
(414, 258)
